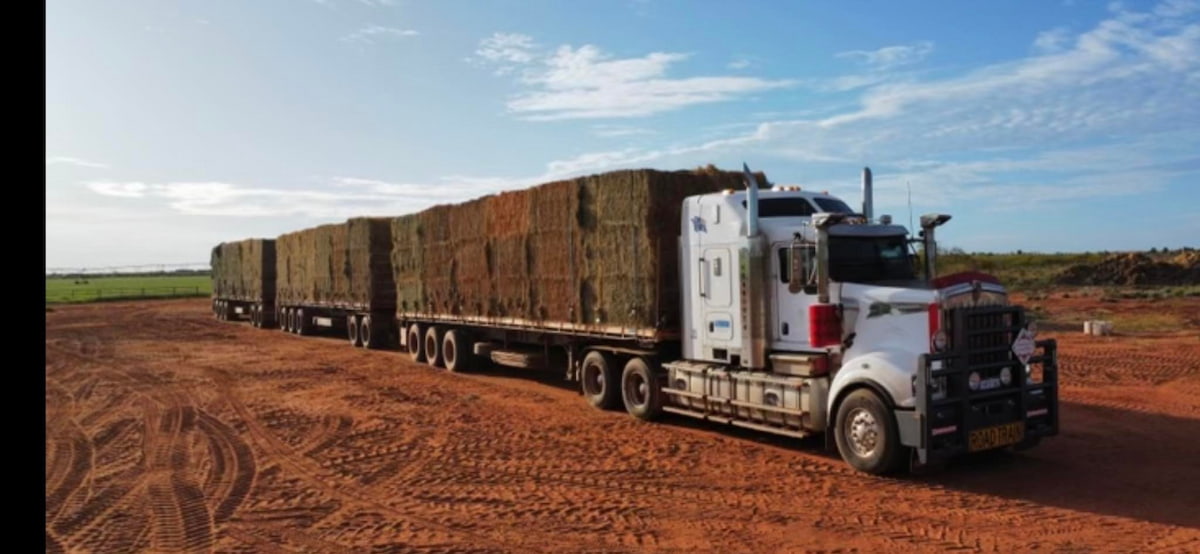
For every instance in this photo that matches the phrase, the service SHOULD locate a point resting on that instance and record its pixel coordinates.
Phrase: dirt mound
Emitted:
(1135, 268)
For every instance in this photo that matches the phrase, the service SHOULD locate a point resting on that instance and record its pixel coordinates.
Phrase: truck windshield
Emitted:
(869, 259)
(833, 205)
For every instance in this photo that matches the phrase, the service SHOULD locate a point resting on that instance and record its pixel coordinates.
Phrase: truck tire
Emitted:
(456, 351)
(641, 390)
(599, 380)
(352, 330)
(301, 325)
(285, 320)
(433, 346)
(867, 435)
(254, 316)
(414, 342)
(369, 335)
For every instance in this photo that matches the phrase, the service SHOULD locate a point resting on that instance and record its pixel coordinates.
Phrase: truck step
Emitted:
(519, 358)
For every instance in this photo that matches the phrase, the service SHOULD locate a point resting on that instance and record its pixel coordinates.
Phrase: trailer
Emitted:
(338, 278)
(548, 274)
(243, 281)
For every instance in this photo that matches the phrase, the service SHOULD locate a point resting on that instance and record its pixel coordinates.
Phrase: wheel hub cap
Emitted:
(863, 432)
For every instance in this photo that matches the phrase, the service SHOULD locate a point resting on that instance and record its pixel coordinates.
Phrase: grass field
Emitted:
(91, 289)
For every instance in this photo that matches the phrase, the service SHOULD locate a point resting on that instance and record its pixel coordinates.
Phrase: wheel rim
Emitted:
(636, 389)
(593, 379)
(431, 348)
(448, 350)
(863, 432)
(414, 342)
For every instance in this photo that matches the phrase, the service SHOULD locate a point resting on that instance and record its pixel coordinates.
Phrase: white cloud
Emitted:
(891, 56)
(506, 50)
(370, 33)
(1052, 41)
(584, 82)
(122, 190)
(1121, 52)
(740, 63)
(610, 131)
(68, 160)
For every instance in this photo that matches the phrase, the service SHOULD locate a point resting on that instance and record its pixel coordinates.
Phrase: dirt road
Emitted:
(170, 431)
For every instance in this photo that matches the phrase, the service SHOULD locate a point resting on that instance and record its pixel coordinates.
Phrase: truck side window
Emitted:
(785, 267)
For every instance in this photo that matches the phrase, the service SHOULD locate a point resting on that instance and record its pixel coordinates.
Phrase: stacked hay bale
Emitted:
(343, 265)
(597, 250)
(244, 270)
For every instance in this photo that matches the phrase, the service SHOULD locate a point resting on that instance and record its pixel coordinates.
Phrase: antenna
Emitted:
(909, 187)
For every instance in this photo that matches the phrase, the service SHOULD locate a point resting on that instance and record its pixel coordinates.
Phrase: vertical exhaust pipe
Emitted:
(752, 275)
(868, 192)
(751, 202)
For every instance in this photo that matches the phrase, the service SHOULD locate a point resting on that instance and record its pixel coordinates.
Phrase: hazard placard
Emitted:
(1024, 346)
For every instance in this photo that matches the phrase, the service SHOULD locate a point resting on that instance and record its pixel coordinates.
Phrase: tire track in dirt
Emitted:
(235, 460)
(314, 475)
(182, 522)
(370, 453)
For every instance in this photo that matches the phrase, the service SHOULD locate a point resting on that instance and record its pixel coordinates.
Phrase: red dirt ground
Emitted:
(170, 431)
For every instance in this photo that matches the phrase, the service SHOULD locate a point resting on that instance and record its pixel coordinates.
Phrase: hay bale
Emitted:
(600, 249)
(344, 265)
(244, 270)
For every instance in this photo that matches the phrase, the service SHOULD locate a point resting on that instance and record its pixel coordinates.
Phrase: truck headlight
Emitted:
(973, 380)
(1006, 376)
(939, 341)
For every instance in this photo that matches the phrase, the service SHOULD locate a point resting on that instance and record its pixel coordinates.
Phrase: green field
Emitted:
(92, 289)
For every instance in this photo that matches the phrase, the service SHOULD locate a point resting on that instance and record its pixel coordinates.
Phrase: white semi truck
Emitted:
(802, 316)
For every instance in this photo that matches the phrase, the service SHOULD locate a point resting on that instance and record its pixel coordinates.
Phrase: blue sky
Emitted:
(1040, 125)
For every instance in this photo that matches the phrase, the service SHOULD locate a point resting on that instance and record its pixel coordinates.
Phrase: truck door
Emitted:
(716, 287)
(789, 311)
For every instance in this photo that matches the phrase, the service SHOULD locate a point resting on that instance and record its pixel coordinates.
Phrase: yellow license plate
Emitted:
(995, 437)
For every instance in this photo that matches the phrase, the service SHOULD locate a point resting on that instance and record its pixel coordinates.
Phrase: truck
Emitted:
(702, 293)
(243, 281)
(337, 278)
(765, 307)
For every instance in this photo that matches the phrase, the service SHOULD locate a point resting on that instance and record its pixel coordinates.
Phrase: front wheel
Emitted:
(867, 435)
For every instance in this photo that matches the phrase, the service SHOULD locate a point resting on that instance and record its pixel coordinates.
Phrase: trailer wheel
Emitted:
(285, 320)
(254, 315)
(413, 342)
(352, 330)
(456, 351)
(303, 326)
(433, 346)
(641, 390)
(367, 334)
(599, 380)
(867, 435)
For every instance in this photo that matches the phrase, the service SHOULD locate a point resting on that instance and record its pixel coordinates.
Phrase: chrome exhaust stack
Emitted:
(929, 222)
(868, 193)
(752, 276)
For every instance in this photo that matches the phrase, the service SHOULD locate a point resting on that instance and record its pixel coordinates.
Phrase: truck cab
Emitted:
(802, 316)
